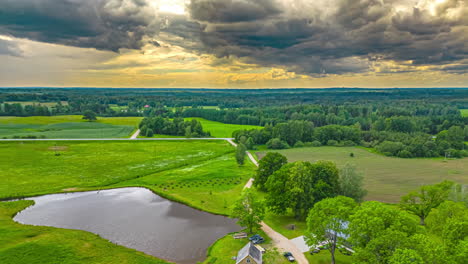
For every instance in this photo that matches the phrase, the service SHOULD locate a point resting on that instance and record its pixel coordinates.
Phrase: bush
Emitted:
(299, 144)
(332, 142)
(276, 143)
(316, 143)
(390, 148)
(464, 153)
(149, 132)
(405, 154)
(349, 143)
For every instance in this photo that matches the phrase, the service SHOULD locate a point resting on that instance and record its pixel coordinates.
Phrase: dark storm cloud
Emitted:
(310, 37)
(101, 24)
(232, 10)
(336, 38)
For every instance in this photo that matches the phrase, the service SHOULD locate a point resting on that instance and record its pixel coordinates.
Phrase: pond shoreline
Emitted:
(145, 212)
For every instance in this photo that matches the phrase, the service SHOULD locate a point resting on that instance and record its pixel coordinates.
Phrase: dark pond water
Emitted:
(133, 217)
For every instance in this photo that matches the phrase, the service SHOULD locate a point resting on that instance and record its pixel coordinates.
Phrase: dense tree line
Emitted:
(176, 127)
(400, 138)
(396, 122)
(379, 233)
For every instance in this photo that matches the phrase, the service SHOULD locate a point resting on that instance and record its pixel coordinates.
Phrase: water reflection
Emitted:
(135, 218)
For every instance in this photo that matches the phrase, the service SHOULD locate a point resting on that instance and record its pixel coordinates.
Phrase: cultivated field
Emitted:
(386, 178)
(71, 126)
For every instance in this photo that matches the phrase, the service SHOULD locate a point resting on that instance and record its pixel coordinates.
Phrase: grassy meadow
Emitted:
(32, 168)
(202, 174)
(386, 178)
(221, 130)
(464, 112)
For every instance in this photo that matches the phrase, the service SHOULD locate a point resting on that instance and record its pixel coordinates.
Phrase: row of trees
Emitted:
(391, 143)
(176, 127)
(380, 233)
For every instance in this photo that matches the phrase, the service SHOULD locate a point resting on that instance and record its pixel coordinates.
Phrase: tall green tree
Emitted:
(272, 162)
(89, 115)
(439, 218)
(240, 153)
(249, 210)
(422, 201)
(405, 256)
(351, 182)
(376, 230)
(327, 222)
(300, 184)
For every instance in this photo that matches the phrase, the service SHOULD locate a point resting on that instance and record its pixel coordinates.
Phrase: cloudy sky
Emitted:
(234, 43)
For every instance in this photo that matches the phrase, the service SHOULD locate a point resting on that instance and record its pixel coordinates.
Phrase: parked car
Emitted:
(314, 251)
(257, 239)
(289, 256)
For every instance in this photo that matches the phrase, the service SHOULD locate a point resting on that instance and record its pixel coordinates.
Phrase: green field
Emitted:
(48, 104)
(73, 126)
(67, 127)
(386, 178)
(184, 170)
(464, 112)
(221, 130)
(202, 174)
(217, 129)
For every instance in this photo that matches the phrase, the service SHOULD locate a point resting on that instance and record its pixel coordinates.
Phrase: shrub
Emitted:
(316, 143)
(299, 144)
(405, 154)
(349, 143)
(276, 143)
(332, 142)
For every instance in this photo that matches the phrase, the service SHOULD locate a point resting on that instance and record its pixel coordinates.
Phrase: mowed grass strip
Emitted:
(39, 244)
(32, 168)
(386, 178)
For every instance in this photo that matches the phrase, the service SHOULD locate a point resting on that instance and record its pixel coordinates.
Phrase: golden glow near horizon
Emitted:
(166, 64)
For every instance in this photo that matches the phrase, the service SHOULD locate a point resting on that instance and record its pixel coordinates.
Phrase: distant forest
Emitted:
(396, 122)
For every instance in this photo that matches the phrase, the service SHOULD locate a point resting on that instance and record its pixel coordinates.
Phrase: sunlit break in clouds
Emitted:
(234, 43)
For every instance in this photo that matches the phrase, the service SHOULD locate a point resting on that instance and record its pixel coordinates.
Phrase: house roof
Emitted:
(249, 250)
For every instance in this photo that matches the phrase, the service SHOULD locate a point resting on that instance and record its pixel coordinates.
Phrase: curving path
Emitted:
(279, 241)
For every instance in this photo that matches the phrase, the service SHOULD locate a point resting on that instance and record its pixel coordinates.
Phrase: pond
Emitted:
(135, 218)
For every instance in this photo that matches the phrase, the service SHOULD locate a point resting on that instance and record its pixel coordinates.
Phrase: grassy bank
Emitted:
(38, 244)
(386, 178)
